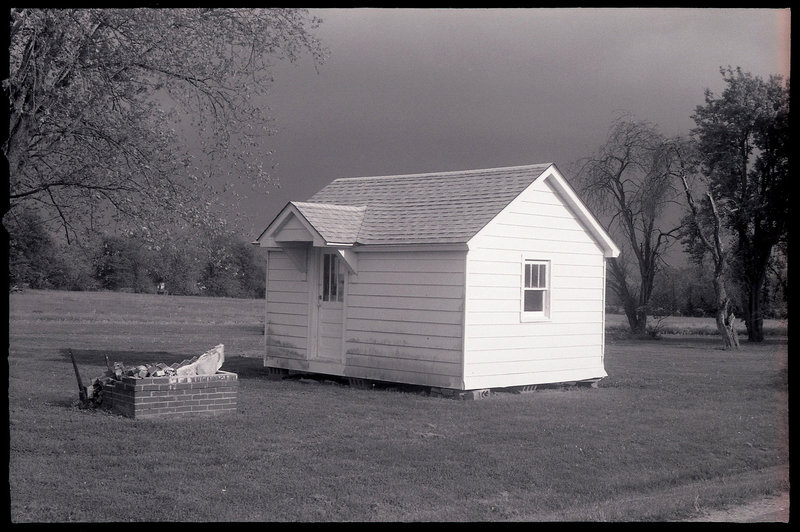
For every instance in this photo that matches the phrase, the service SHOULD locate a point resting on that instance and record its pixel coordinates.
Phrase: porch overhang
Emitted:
(301, 225)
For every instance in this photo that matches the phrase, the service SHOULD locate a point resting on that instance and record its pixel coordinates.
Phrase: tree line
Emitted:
(688, 290)
(185, 263)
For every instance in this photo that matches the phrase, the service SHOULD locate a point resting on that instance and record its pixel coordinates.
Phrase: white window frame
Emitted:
(535, 315)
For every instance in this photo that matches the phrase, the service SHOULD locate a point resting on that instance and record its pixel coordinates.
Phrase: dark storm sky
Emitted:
(407, 91)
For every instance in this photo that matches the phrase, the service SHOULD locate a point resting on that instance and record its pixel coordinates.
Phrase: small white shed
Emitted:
(462, 280)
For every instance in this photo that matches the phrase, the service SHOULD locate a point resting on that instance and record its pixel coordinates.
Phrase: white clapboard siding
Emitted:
(288, 274)
(403, 340)
(504, 242)
(533, 329)
(280, 262)
(279, 318)
(411, 304)
(286, 297)
(287, 309)
(293, 230)
(552, 234)
(404, 318)
(538, 353)
(292, 309)
(500, 348)
(498, 367)
(420, 278)
(295, 332)
(409, 353)
(502, 318)
(496, 261)
(408, 315)
(288, 286)
(399, 369)
(417, 328)
(409, 262)
(402, 364)
(491, 343)
(400, 289)
(538, 377)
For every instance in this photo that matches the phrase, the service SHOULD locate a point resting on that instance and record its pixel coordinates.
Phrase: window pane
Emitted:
(326, 277)
(535, 275)
(333, 277)
(534, 300)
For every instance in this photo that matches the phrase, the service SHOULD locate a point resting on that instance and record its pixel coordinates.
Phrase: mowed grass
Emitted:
(678, 426)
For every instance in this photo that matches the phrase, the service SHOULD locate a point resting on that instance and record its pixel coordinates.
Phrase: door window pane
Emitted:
(332, 278)
(326, 277)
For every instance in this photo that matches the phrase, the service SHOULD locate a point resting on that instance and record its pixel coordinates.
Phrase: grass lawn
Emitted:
(678, 426)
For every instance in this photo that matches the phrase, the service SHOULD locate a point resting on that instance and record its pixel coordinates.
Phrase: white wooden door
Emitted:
(330, 315)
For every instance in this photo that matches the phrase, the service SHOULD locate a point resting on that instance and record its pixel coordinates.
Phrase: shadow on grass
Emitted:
(129, 358)
(362, 384)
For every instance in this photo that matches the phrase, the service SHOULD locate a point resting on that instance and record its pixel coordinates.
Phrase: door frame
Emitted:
(315, 258)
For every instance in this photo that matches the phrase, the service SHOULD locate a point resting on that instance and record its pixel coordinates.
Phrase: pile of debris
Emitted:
(206, 364)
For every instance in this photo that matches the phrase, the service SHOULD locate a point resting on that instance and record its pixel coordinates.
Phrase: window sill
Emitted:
(525, 318)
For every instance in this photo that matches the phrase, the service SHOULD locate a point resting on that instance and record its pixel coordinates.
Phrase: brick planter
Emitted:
(155, 397)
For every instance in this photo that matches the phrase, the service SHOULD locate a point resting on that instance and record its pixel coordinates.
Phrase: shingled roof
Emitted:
(441, 207)
(335, 223)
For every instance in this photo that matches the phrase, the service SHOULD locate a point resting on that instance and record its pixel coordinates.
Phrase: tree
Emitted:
(111, 108)
(779, 278)
(704, 235)
(629, 185)
(124, 263)
(743, 136)
(686, 290)
(231, 268)
(32, 255)
(178, 262)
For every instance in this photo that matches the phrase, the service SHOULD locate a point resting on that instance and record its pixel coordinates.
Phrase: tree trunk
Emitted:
(752, 312)
(637, 318)
(725, 319)
(730, 339)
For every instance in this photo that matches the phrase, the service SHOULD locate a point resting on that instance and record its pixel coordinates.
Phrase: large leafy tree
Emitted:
(743, 136)
(628, 182)
(132, 115)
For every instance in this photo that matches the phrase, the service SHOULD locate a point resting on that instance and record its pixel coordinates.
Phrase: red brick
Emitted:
(154, 397)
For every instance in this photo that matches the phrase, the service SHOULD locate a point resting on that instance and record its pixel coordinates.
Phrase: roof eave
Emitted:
(610, 249)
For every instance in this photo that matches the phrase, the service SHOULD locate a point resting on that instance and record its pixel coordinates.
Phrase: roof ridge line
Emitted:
(355, 207)
(449, 172)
